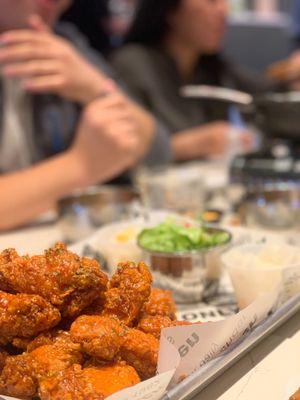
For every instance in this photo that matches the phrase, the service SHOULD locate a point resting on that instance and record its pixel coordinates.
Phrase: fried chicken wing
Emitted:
(55, 336)
(129, 289)
(3, 356)
(17, 379)
(22, 374)
(24, 316)
(161, 302)
(94, 383)
(21, 343)
(140, 350)
(100, 337)
(70, 384)
(66, 280)
(154, 325)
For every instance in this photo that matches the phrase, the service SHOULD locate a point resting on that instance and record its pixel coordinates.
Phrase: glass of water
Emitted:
(179, 189)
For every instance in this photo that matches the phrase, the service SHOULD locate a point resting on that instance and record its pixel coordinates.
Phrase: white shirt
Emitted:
(17, 145)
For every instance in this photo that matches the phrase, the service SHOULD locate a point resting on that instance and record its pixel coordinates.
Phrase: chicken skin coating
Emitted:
(140, 350)
(93, 383)
(66, 280)
(69, 384)
(24, 316)
(154, 325)
(296, 396)
(3, 356)
(17, 379)
(55, 336)
(22, 374)
(161, 302)
(129, 289)
(99, 337)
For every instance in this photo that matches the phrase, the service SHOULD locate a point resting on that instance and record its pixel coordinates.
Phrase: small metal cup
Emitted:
(192, 275)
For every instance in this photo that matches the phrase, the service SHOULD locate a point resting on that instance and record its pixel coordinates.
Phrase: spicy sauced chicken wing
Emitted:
(99, 336)
(112, 343)
(154, 325)
(69, 384)
(128, 291)
(66, 280)
(52, 337)
(161, 303)
(3, 356)
(24, 316)
(22, 374)
(140, 350)
(93, 383)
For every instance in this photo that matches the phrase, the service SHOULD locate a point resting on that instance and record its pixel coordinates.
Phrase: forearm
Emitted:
(183, 147)
(26, 194)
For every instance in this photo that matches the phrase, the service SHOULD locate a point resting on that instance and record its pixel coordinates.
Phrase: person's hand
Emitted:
(208, 140)
(286, 71)
(47, 63)
(107, 142)
(293, 70)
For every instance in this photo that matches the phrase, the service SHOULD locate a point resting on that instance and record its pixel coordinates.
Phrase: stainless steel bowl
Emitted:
(272, 206)
(81, 213)
(191, 275)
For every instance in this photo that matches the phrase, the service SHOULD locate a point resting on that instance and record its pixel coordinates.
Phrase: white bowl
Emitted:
(257, 269)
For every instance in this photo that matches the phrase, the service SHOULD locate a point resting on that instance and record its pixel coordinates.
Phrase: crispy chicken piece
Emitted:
(57, 337)
(22, 374)
(21, 343)
(100, 337)
(16, 378)
(25, 316)
(94, 383)
(70, 384)
(140, 350)
(154, 325)
(161, 302)
(296, 396)
(66, 280)
(3, 356)
(129, 289)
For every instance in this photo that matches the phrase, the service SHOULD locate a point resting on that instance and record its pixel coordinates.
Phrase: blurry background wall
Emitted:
(260, 32)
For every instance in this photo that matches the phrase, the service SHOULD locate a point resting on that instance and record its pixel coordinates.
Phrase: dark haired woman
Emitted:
(176, 42)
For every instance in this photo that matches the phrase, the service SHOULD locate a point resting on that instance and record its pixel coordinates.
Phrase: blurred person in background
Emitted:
(173, 43)
(91, 18)
(103, 22)
(64, 123)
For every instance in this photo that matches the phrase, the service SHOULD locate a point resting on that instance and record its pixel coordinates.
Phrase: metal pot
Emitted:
(81, 213)
(272, 205)
(276, 114)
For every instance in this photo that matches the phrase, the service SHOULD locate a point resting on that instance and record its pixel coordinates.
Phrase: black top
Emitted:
(91, 18)
(153, 79)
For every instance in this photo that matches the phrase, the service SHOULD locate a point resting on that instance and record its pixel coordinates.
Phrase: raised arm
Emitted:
(48, 63)
(107, 142)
